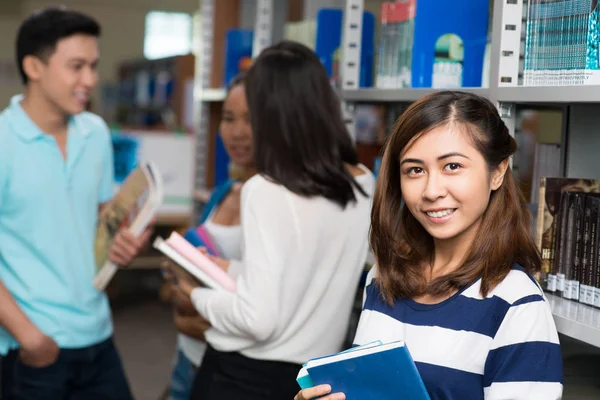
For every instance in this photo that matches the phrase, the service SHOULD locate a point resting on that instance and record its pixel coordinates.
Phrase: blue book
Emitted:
(370, 372)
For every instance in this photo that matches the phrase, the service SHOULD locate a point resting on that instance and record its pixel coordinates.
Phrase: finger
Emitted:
(124, 243)
(124, 248)
(204, 251)
(316, 391)
(145, 237)
(117, 257)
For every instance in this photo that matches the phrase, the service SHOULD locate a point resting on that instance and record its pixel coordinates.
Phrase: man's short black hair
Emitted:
(39, 34)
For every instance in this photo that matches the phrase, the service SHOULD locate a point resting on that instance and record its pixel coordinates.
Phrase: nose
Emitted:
(90, 77)
(435, 187)
(241, 130)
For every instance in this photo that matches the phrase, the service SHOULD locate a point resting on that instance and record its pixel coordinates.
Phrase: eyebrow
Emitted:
(440, 158)
(83, 60)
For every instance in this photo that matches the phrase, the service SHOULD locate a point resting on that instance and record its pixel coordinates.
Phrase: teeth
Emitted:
(440, 214)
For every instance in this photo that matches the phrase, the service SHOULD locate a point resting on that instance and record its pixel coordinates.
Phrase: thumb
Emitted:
(203, 250)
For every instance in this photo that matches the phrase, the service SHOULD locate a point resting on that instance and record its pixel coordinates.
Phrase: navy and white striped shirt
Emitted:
(502, 347)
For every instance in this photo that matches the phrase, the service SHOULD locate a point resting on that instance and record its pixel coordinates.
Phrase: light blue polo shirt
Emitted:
(48, 217)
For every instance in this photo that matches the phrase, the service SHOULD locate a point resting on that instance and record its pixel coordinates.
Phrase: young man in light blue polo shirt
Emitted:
(56, 171)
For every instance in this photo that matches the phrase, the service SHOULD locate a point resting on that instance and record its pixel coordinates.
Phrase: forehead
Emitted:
(440, 140)
(236, 96)
(76, 46)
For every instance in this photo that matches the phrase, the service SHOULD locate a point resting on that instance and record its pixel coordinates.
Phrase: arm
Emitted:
(193, 326)
(15, 321)
(525, 361)
(36, 349)
(252, 312)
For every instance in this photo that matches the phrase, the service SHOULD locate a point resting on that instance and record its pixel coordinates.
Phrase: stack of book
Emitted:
(372, 371)
(567, 234)
(396, 44)
(561, 45)
(192, 261)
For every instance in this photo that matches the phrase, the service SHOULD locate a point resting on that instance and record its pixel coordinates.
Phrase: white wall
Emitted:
(122, 24)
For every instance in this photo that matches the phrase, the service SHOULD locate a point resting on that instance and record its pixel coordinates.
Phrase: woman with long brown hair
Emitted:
(455, 259)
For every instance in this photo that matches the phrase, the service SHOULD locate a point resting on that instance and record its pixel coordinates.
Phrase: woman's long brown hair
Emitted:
(400, 243)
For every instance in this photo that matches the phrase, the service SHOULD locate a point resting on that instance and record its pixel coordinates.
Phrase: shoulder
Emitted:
(518, 286)
(220, 191)
(515, 288)
(7, 136)
(260, 188)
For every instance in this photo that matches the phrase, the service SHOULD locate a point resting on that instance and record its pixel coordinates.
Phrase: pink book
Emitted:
(187, 250)
(207, 239)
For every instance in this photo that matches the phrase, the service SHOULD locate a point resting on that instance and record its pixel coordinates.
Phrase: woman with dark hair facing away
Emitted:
(454, 262)
(220, 224)
(305, 223)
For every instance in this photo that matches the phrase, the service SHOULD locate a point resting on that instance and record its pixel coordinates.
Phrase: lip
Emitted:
(439, 209)
(84, 99)
(240, 151)
(440, 220)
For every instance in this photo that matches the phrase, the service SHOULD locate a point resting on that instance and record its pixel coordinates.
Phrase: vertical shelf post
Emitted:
(263, 27)
(350, 65)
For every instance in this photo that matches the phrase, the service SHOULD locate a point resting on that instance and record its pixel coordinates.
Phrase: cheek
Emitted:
(472, 192)
(411, 192)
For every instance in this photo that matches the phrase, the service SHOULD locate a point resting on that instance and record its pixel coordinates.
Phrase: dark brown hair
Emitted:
(40, 33)
(300, 140)
(401, 244)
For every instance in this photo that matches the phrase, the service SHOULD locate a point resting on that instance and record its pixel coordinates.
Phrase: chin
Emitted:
(74, 109)
(442, 233)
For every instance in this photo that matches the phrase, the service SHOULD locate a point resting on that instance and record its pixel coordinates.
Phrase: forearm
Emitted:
(14, 320)
(191, 326)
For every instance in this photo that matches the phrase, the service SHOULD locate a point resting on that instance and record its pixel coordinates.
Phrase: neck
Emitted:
(450, 253)
(248, 173)
(43, 113)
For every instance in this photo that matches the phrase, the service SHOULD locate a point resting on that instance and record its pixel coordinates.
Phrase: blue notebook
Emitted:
(370, 372)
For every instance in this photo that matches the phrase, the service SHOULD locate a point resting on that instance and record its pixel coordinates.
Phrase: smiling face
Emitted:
(67, 78)
(446, 183)
(235, 128)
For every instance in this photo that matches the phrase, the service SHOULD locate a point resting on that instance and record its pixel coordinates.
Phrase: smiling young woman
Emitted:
(455, 257)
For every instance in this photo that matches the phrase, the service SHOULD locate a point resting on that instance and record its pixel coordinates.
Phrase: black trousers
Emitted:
(232, 376)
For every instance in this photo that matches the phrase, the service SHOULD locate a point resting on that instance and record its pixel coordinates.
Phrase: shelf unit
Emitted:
(576, 320)
(548, 94)
(370, 95)
(572, 319)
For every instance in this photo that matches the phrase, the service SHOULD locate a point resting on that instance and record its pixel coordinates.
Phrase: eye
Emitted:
(452, 166)
(77, 67)
(414, 171)
(227, 118)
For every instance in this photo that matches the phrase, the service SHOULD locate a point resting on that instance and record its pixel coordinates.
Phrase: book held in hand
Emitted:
(374, 371)
(134, 206)
(193, 262)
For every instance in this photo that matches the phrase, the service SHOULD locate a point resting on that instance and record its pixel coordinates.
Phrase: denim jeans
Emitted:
(182, 377)
(90, 373)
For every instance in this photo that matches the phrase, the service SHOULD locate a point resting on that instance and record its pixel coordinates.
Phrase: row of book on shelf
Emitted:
(561, 45)
(568, 220)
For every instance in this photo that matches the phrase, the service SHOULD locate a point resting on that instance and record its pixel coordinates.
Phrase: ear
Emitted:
(497, 175)
(33, 67)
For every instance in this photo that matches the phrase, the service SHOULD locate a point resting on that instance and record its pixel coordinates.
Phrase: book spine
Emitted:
(587, 247)
(595, 284)
(560, 243)
(594, 202)
(577, 233)
(545, 253)
(570, 247)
